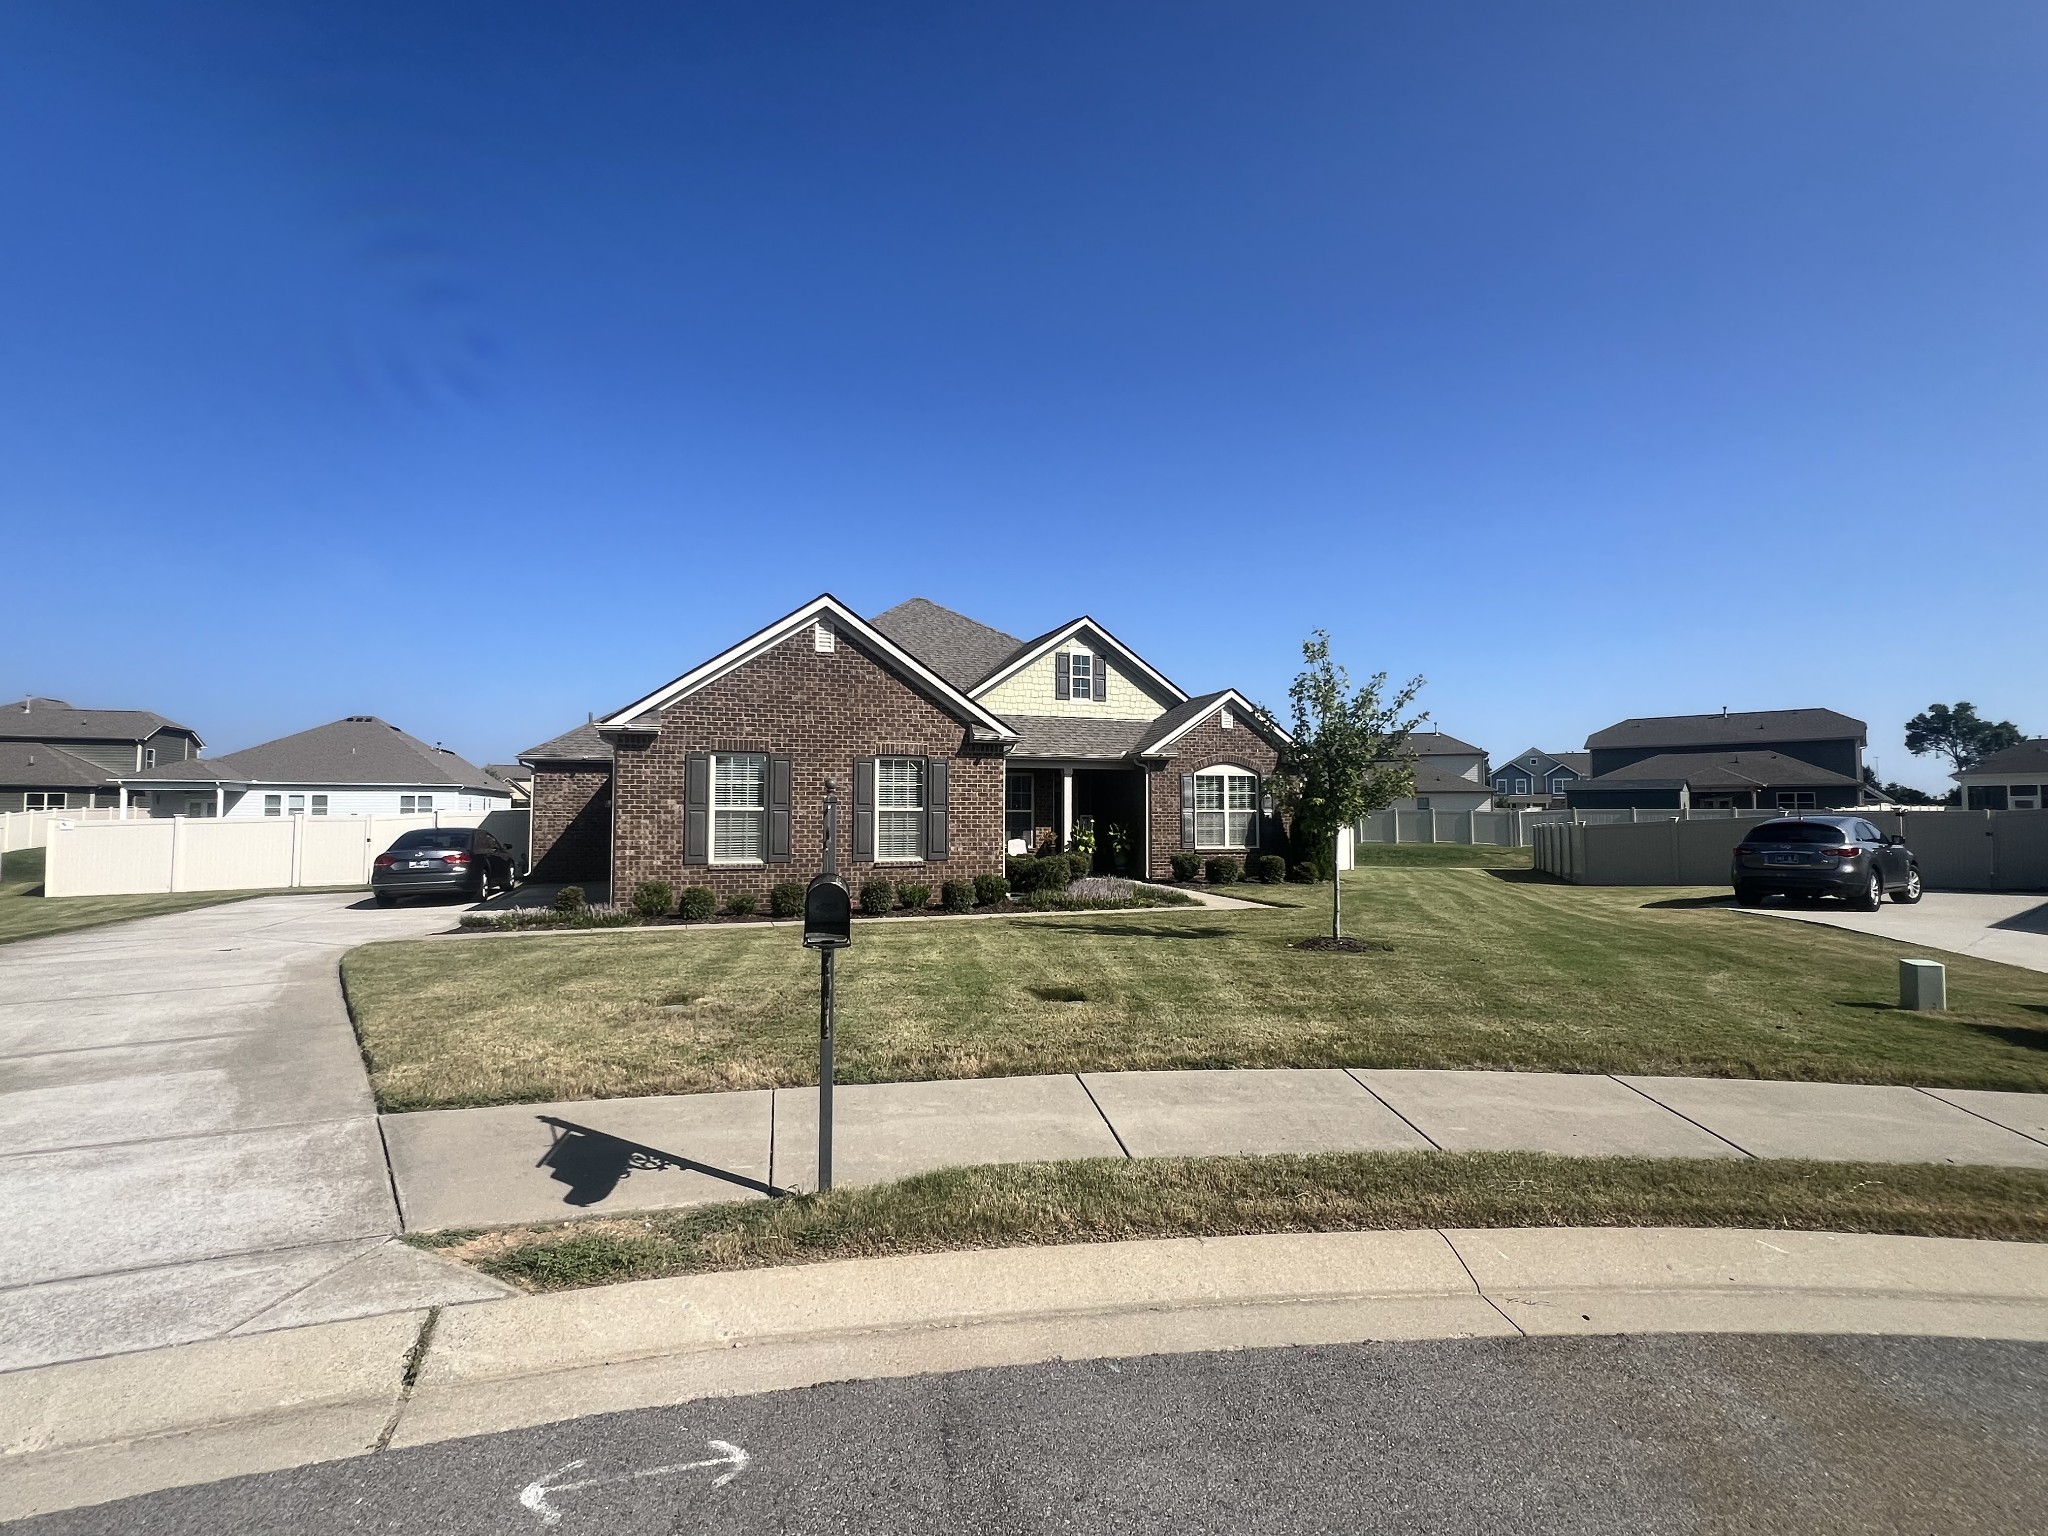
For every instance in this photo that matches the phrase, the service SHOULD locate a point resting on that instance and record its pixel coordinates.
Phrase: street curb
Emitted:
(84, 1433)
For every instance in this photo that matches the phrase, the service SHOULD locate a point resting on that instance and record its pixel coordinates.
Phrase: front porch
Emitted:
(1048, 801)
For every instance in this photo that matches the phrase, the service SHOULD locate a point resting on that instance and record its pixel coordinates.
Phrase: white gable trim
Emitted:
(849, 623)
(1062, 636)
(1249, 717)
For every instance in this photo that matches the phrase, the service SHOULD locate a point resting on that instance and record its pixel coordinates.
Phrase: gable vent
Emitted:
(823, 640)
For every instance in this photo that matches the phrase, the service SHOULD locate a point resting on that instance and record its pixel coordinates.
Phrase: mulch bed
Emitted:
(1343, 946)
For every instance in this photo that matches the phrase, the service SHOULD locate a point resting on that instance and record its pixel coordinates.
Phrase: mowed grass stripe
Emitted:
(1487, 968)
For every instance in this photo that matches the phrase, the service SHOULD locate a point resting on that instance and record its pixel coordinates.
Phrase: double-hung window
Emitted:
(273, 805)
(45, 800)
(409, 805)
(1795, 800)
(1521, 786)
(319, 805)
(899, 809)
(298, 805)
(1017, 808)
(1081, 670)
(739, 808)
(1226, 809)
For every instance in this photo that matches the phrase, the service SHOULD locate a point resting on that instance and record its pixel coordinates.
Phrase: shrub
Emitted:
(786, 899)
(653, 898)
(1186, 866)
(877, 897)
(957, 896)
(1269, 867)
(696, 903)
(915, 897)
(1303, 874)
(740, 904)
(990, 889)
(1079, 864)
(1030, 874)
(570, 898)
(1222, 871)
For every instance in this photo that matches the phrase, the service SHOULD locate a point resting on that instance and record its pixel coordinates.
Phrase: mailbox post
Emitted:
(828, 928)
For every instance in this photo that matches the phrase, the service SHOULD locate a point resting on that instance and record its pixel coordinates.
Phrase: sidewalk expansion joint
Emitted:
(1352, 1073)
(1950, 1104)
(1688, 1119)
(1113, 1133)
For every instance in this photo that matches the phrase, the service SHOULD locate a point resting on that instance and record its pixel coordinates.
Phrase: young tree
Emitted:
(1348, 755)
(1959, 734)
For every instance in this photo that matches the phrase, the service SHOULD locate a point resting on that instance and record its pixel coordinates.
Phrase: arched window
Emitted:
(1226, 807)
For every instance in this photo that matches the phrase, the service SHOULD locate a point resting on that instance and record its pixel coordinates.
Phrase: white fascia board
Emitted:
(1061, 637)
(825, 605)
(1247, 710)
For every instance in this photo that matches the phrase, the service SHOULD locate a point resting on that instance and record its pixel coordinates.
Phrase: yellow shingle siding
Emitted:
(1030, 691)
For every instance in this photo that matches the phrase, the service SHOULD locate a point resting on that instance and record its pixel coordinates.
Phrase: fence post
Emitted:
(177, 853)
(298, 850)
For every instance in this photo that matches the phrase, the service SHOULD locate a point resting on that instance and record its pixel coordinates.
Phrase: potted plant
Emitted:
(1119, 847)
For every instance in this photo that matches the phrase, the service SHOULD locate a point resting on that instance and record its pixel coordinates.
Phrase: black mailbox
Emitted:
(828, 914)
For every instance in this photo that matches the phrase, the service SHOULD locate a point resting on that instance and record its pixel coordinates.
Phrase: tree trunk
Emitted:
(1336, 888)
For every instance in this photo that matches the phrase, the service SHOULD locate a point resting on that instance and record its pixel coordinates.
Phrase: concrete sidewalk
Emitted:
(82, 1434)
(2013, 930)
(190, 1148)
(541, 1162)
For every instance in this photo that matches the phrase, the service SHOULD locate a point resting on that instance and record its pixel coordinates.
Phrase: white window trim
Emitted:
(922, 808)
(712, 810)
(62, 797)
(1226, 772)
(1030, 809)
(273, 805)
(1074, 689)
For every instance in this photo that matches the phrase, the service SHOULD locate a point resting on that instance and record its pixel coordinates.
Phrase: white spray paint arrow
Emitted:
(535, 1494)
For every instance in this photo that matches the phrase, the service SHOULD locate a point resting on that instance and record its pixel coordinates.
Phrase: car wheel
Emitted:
(1909, 893)
(386, 899)
(1872, 895)
(1747, 895)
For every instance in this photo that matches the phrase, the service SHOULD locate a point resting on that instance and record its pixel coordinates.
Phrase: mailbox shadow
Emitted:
(592, 1162)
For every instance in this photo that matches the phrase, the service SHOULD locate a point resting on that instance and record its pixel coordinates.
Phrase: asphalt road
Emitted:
(1626, 1435)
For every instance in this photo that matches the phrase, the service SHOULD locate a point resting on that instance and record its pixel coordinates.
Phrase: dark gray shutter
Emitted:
(1101, 674)
(864, 811)
(1258, 809)
(778, 810)
(697, 809)
(935, 812)
(1187, 810)
(1062, 677)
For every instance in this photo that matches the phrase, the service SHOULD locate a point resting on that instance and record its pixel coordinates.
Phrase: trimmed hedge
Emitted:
(653, 898)
(1223, 871)
(957, 896)
(990, 889)
(877, 897)
(914, 897)
(741, 904)
(570, 898)
(1186, 866)
(1270, 868)
(786, 899)
(696, 903)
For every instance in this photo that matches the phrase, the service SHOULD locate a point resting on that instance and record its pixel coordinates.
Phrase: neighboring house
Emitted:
(55, 756)
(360, 766)
(1536, 778)
(1450, 775)
(2013, 780)
(1772, 760)
(516, 777)
(950, 744)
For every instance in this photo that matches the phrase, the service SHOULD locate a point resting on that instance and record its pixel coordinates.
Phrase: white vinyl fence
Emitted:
(181, 853)
(1503, 829)
(1957, 850)
(31, 829)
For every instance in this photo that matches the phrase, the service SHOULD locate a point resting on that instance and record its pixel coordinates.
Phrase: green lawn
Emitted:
(1486, 968)
(1103, 1201)
(25, 913)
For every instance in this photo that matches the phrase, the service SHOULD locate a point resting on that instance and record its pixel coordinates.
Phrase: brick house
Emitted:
(951, 744)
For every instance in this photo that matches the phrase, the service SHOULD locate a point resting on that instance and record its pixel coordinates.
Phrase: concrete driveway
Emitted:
(187, 1142)
(2012, 930)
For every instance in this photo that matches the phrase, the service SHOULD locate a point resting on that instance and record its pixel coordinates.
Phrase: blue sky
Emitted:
(483, 365)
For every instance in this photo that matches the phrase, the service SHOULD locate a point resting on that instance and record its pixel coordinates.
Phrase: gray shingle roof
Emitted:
(1722, 770)
(1435, 781)
(1438, 744)
(960, 650)
(34, 719)
(1061, 736)
(38, 765)
(361, 749)
(1178, 716)
(2027, 757)
(1734, 730)
(581, 745)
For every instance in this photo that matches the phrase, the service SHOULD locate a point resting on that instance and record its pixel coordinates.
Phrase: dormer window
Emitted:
(1081, 668)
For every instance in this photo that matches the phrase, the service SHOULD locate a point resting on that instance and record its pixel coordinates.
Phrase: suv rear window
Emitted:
(425, 838)
(1795, 832)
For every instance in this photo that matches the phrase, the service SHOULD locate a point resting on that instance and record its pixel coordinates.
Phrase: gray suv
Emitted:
(1804, 857)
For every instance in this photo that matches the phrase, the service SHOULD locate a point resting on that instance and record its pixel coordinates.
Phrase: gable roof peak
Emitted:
(959, 649)
(1032, 649)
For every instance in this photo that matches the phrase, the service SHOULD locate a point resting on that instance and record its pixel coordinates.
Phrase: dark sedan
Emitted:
(443, 861)
(1805, 857)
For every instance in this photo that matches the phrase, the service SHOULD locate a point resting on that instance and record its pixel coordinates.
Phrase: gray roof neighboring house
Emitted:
(580, 745)
(1435, 781)
(1720, 770)
(2027, 757)
(1438, 744)
(361, 749)
(1579, 762)
(38, 765)
(33, 719)
(1729, 730)
(956, 647)
(511, 773)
